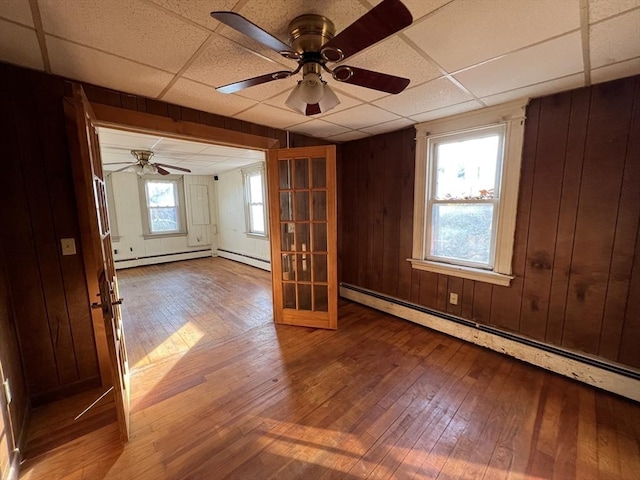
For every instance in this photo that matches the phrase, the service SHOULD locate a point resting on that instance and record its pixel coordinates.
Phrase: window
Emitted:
(254, 194)
(467, 175)
(162, 200)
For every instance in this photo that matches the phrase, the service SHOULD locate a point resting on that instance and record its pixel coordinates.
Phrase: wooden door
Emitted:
(302, 213)
(100, 271)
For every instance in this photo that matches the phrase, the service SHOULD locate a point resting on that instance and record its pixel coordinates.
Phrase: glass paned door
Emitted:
(302, 183)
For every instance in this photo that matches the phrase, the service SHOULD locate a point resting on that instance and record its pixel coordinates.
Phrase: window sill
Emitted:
(259, 236)
(463, 272)
(148, 236)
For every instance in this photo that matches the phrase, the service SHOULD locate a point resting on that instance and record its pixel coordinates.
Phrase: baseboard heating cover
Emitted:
(615, 378)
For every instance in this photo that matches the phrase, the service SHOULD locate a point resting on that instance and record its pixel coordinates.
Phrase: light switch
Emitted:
(68, 246)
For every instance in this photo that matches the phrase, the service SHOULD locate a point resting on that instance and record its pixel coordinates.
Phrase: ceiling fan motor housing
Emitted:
(310, 32)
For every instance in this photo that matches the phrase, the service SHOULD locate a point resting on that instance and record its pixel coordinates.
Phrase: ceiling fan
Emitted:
(314, 45)
(142, 165)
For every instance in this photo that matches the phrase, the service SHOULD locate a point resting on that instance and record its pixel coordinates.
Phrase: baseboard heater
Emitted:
(162, 258)
(616, 378)
(244, 258)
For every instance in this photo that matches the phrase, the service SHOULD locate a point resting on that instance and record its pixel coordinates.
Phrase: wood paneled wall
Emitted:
(12, 417)
(577, 249)
(38, 209)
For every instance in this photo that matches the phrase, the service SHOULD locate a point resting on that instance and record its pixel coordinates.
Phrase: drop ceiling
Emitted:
(460, 55)
(200, 158)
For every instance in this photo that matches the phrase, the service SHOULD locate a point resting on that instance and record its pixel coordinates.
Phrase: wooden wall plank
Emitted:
(376, 205)
(482, 302)
(391, 183)
(348, 215)
(572, 176)
(466, 302)
(441, 300)
(428, 295)
(506, 304)
(603, 166)
(405, 158)
(544, 210)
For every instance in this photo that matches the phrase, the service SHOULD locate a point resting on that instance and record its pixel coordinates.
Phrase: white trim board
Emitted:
(172, 257)
(262, 264)
(568, 367)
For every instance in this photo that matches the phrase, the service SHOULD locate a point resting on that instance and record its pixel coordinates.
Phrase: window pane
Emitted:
(467, 169)
(462, 231)
(284, 169)
(255, 187)
(304, 297)
(164, 219)
(161, 194)
(302, 173)
(257, 218)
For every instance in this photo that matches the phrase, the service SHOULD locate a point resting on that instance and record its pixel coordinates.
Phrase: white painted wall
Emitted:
(232, 225)
(133, 249)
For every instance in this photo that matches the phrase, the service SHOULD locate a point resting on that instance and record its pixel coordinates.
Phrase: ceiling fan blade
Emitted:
(312, 109)
(251, 30)
(250, 82)
(383, 20)
(173, 167)
(162, 171)
(124, 168)
(370, 79)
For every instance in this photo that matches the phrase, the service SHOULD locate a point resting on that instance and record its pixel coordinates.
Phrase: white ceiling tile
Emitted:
(272, 116)
(537, 90)
(447, 111)
(418, 8)
(82, 63)
(228, 151)
(601, 9)
(19, 45)
(17, 11)
(391, 126)
(222, 62)
(202, 97)
(349, 136)
(177, 145)
(466, 32)
(615, 40)
(423, 98)
(128, 28)
(617, 70)
(126, 140)
(198, 11)
(361, 116)
(345, 101)
(319, 128)
(361, 93)
(396, 57)
(546, 61)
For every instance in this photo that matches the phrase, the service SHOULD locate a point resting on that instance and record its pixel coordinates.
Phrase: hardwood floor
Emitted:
(221, 392)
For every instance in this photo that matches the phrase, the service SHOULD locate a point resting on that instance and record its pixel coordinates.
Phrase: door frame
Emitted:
(142, 122)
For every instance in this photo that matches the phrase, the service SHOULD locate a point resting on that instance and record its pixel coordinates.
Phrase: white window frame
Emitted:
(251, 170)
(509, 117)
(178, 181)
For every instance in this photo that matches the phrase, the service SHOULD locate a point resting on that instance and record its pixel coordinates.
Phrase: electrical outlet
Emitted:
(453, 298)
(68, 246)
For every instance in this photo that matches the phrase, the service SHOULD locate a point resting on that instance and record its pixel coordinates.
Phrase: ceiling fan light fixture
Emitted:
(149, 169)
(299, 100)
(329, 100)
(311, 88)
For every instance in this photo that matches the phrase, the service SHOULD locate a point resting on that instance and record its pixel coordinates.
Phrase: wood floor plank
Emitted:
(219, 391)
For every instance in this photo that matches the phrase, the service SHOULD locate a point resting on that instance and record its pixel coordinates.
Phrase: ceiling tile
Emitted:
(82, 63)
(396, 57)
(345, 101)
(537, 90)
(423, 98)
(222, 62)
(180, 146)
(198, 11)
(16, 11)
(202, 97)
(128, 28)
(466, 32)
(126, 140)
(349, 136)
(447, 111)
(615, 40)
(391, 126)
(419, 8)
(272, 116)
(360, 93)
(601, 9)
(617, 70)
(19, 45)
(361, 116)
(546, 61)
(319, 128)
(228, 151)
